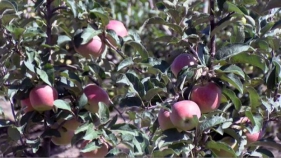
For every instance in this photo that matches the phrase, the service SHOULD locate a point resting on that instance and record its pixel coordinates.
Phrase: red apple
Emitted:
(94, 47)
(100, 152)
(181, 61)
(118, 27)
(208, 97)
(65, 138)
(164, 120)
(182, 114)
(26, 105)
(42, 97)
(95, 94)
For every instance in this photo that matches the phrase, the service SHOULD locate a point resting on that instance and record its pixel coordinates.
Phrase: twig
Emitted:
(212, 25)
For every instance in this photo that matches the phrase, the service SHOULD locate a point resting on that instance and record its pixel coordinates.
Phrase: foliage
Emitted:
(242, 57)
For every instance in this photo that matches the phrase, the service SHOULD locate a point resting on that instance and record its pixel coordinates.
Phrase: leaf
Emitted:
(124, 128)
(230, 7)
(83, 100)
(91, 133)
(43, 76)
(102, 14)
(88, 34)
(72, 4)
(5, 4)
(219, 146)
(90, 147)
(211, 122)
(254, 60)
(62, 39)
(231, 50)
(14, 133)
(235, 70)
(254, 97)
(151, 93)
(61, 104)
(125, 63)
(96, 69)
(158, 20)
(103, 113)
(231, 95)
(140, 49)
(232, 80)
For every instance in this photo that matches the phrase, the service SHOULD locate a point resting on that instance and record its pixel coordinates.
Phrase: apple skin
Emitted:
(42, 97)
(181, 61)
(251, 137)
(208, 97)
(118, 27)
(100, 152)
(182, 114)
(94, 47)
(95, 94)
(25, 103)
(71, 124)
(164, 120)
(65, 139)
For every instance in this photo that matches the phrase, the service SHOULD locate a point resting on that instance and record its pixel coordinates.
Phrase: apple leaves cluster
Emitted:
(38, 47)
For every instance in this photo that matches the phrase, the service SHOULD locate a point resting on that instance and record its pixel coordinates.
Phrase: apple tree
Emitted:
(173, 78)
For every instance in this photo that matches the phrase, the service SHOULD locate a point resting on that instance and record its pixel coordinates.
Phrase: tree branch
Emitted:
(212, 25)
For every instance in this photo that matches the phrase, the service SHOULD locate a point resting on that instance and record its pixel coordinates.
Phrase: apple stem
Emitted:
(212, 25)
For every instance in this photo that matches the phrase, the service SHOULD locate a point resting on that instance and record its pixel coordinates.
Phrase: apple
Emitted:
(26, 105)
(71, 124)
(181, 61)
(164, 120)
(251, 137)
(95, 94)
(94, 47)
(208, 97)
(229, 141)
(119, 29)
(65, 137)
(100, 152)
(182, 114)
(42, 97)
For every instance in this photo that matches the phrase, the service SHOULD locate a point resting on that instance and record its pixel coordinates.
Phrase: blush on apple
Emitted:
(207, 96)
(181, 61)
(42, 97)
(182, 114)
(26, 105)
(95, 94)
(164, 120)
(119, 28)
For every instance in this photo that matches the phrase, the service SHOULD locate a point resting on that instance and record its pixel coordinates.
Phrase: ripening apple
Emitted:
(71, 124)
(94, 47)
(181, 61)
(251, 137)
(95, 94)
(229, 141)
(182, 114)
(164, 120)
(208, 97)
(119, 29)
(65, 137)
(42, 97)
(26, 105)
(100, 152)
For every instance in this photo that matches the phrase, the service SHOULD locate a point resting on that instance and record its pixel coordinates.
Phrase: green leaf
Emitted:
(249, 2)
(90, 147)
(103, 113)
(151, 93)
(43, 76)
(72, 4)
(211, 122)
(233, 80)
(88, 34)
(256, 121)
(231, 50)
(230, 7)
(91, 133)
(5, 4)
(254, 97)
(252, 59)
(235, 70)
(61, 104)
(125, 128)
(102, 14)
(83, 100)
(96, 69)
(140, 49)
(62, 39)
(125, 63)
(219, 146)
(14, 133)
(231, 95)
(158, 20)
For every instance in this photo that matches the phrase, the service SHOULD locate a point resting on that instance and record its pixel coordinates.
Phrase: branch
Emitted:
(212, 25)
